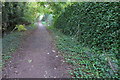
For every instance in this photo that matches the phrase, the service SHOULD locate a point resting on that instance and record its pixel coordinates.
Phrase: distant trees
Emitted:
(54, 8)
(15, 13)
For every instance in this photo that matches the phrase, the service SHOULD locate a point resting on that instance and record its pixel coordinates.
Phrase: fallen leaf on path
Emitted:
(45, 76)
(53, 50)
(29, 61)
(56, 56)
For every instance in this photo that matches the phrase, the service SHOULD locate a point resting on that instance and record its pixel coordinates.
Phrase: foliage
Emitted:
(13, 40)
(54, 8)
(48, 21)
(12, 14)
(16, 13)
(31, 12)
(21, 27)
(92, 28)
(86, 62)
(32, 26)
(94, 25)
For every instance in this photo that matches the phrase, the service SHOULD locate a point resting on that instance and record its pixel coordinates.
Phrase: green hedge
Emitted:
(93, 24)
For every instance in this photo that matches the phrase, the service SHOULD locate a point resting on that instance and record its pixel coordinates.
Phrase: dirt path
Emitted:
(37, 58)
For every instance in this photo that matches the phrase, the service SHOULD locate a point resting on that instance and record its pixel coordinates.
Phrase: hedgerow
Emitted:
(93, 24)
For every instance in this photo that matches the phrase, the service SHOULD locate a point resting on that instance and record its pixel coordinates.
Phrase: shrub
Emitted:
(21, 27)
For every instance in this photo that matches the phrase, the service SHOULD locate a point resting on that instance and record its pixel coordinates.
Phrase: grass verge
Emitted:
(11, 42)
(87, 62)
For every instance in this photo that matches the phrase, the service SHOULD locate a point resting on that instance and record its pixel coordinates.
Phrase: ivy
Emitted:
(94, 25)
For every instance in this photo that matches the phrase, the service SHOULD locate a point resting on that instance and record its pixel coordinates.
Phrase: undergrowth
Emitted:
(96, 24)
(11, 42)
(87, 62)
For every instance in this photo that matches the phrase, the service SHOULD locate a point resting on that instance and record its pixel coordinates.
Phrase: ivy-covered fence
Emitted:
(95, 25)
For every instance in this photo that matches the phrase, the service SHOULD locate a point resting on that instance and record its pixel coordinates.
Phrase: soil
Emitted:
(37, 58)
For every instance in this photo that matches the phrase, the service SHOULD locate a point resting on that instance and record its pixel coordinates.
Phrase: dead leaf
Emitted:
(53, 50)
(29, 61)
